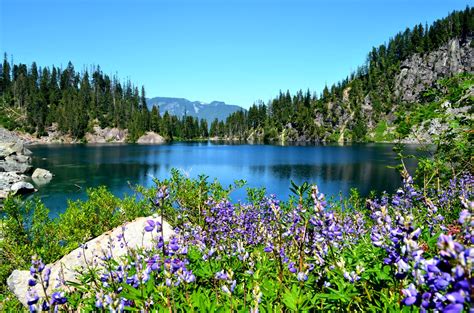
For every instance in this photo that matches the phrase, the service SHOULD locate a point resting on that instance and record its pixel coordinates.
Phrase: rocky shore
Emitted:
(96, 135)
(15, 165)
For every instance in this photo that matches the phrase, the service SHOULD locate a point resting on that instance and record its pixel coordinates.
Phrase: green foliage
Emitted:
(28, 230)
(74, 100)
(451, 153)
(34, 101)
(381, 133)
(261, 283)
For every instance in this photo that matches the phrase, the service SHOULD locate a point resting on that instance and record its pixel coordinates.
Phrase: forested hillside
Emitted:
(33, 99)
(397, 78)
(372, 104)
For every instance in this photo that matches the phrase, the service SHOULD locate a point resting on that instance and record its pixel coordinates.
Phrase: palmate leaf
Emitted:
(150, 284)
(130, 293)
(295, 300)
(203, 302)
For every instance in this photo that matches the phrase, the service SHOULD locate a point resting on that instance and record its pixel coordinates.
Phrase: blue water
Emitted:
(336, 169)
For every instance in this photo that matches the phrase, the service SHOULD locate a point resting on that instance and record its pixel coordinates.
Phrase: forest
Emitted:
(316, 117)
(33, 98)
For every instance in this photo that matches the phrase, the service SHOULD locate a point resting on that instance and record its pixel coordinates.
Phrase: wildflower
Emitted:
(302, 276)
(411, 295)
(58, 298)
(221, 275)
(150, 225)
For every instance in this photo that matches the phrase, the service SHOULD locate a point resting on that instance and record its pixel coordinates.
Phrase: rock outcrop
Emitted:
(53, 136)
(419, 72)
(15, 161)
(89, 255)
(151, 138)
(107, 134)
(432, 128)
(14, 157)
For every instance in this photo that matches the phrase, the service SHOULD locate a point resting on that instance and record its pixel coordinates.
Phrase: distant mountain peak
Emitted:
(199, 109)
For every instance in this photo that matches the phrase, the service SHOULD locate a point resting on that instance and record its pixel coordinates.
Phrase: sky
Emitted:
(227, 50)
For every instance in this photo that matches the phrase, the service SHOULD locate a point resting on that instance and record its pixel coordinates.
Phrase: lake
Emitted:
(334, 168)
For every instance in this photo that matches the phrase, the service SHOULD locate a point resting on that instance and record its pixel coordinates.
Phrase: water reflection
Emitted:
(335, 168)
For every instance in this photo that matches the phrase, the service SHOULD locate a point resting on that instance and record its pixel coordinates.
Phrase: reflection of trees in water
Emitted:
(365, 176)
(68, 178)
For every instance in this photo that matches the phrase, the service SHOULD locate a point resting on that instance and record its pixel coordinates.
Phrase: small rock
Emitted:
(22, 187)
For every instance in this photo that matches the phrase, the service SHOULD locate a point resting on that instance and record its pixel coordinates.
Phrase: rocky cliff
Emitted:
(419, 72)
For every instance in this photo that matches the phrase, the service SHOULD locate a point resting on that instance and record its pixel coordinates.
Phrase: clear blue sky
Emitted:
(234, 51)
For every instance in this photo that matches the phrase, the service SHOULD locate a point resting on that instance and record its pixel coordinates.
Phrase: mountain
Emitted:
(408, 89)
(181, 106)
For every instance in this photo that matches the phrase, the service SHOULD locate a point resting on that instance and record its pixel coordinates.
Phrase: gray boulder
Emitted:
(151, 138)
(99, 135)
(12, 166)
(9, 148)
(20, 158)
(22, 187)
(41, 177)
(41, 174)
(7, 179)
(81, 258)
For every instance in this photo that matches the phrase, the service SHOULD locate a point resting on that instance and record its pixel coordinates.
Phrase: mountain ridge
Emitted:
(202, 110)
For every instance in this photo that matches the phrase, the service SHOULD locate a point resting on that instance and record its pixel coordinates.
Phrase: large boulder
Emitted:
(20, 158)
(41, 174)
(9, 148)
(22, 188)
(89, 255)
(151, 138)
(7, 180)
(41, 177)
(99, 135)
(12, 154)
(12, 166)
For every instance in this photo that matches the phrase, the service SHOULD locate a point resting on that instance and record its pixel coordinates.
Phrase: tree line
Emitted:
(341, 108)
(76, 101)
(35, 98)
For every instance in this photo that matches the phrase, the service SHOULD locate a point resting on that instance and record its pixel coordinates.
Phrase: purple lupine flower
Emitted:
(221, 275)
(302, 276)
(58, 298)
(173, 245)
(268, 248)
(150, 225)
(32, 297)
(45, 306)
(411, 295)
